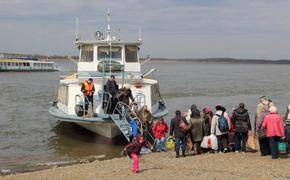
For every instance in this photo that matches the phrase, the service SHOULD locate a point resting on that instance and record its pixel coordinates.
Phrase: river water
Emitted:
(29, 136)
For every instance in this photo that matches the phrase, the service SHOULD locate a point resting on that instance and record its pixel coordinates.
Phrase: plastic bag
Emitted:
(209, 142)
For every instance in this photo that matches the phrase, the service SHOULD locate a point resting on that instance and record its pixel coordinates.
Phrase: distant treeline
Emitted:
(223, 60)
(193, 60)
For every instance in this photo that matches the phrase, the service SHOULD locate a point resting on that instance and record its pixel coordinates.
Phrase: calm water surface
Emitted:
(29, 135)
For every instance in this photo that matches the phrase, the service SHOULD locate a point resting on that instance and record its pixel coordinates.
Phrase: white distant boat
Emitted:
(26, 64)
(98, 59)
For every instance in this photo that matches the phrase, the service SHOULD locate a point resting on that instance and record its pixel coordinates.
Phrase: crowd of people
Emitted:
(232, 130)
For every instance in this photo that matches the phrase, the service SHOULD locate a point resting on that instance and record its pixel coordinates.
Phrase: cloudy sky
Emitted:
(170, 28)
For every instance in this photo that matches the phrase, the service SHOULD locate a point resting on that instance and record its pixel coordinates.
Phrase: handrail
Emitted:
(138, 98)
(82, 99)
(108, 101)
(121, 109)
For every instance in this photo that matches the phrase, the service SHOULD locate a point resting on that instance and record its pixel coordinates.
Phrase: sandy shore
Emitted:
(166, 166)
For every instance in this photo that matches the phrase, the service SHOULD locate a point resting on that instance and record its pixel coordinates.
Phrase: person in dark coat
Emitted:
(179, 134)
(207, 116)
(241, 120)
(112, 89)
(125, 94)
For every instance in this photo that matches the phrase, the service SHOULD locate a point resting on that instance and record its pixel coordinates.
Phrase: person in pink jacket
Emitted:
(274, 125)
(160, 129)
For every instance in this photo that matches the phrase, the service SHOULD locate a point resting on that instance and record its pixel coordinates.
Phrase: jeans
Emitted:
(88, 100)
(222, 142)
(180, 141)
(135, 167)
(160, 144)
(274, 146)
(240, 141)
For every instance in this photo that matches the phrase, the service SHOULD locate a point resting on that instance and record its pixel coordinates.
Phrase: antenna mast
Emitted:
(77, 29)
(139, 38)
(109, 27)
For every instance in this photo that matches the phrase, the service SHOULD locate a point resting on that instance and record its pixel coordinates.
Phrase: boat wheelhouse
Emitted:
(99, 59)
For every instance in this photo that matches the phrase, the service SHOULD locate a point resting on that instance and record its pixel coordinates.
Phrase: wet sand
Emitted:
(166, 166)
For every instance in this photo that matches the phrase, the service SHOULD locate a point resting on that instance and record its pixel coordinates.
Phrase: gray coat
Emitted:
(196, 126)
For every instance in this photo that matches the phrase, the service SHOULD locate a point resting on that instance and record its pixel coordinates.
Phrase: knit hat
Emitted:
(273, 109)
(208, 109)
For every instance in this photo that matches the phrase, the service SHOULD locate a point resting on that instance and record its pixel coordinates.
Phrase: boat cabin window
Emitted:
(63, 94)
(105, 52)
(131, 53)
(87, 53)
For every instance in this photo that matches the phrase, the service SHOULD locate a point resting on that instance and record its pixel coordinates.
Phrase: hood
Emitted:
(241, 110)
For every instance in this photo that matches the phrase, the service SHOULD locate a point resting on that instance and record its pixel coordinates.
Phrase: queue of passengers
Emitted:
(232, 131)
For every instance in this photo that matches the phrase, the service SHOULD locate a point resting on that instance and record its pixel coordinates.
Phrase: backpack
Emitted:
(182, 125)
(222, 123)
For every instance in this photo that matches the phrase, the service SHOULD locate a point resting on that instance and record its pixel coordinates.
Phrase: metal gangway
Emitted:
(121, 117)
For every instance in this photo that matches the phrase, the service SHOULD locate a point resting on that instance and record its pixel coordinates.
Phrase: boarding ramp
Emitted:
(121, 117)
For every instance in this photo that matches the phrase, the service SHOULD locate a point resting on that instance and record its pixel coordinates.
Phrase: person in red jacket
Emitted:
(160, 129)
(274, 125)
(133, 149)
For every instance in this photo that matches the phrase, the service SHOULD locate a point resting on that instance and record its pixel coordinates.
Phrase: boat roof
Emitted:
(105, 42)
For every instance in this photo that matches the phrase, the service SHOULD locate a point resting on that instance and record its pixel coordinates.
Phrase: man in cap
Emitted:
(88, 90)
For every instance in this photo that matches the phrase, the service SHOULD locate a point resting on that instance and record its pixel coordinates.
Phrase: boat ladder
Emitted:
(121, 117)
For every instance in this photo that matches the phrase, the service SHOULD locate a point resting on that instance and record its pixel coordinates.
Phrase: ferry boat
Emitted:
(99, 59)
(26, 64)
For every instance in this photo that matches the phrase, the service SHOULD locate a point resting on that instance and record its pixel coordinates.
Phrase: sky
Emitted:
(258, 29)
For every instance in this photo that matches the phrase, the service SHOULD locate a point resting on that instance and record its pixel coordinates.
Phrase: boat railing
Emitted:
(125, 111)
(80, 102)
(140, 99)
(107, 101)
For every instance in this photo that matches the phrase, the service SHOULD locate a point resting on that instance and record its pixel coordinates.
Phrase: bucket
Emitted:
(283, 151)
(170, 143)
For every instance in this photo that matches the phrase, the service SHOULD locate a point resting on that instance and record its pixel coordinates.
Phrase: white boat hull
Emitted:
(107, 131)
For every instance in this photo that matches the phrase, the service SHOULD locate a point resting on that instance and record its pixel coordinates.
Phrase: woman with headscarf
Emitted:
(274, 125)
(207, 116)
(146, 118)
(261, 133)
(196, 127)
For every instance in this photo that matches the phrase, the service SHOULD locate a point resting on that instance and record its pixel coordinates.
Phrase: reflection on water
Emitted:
(72, 141)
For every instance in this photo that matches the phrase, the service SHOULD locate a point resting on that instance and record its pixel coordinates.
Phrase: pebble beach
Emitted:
(165, 166)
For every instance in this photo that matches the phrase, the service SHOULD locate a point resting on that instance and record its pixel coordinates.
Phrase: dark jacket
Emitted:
(241, 120)
(135, 147)
(174, 127)
(111, 87)
(124, 95)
